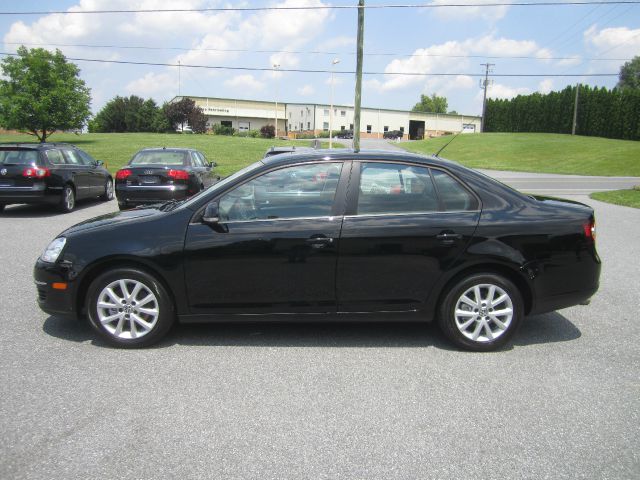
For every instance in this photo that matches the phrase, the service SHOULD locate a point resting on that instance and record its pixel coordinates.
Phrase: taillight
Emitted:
(179, 174)
(122, 174)
(36, 172)
(590, 230)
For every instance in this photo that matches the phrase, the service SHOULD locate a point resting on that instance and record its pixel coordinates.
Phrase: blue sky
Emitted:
(443, 40)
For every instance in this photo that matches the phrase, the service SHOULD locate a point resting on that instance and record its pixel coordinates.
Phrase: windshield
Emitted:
(158, 157)
(222, 183)
(18, 157)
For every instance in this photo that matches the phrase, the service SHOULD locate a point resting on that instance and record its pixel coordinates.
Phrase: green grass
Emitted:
(627, 198)
(116, 149)
(538, 152)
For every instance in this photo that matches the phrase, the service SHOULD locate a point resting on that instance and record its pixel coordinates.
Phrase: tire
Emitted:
(68, 199)
(472, 322)
(107, 196)
(129, 308)
(123, 206)
(1, 207)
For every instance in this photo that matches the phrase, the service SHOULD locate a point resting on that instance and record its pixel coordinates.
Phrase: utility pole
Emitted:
(178, 77)
(358, 99)
(333, 64)
(275, 114)
(575, 111)
(484, 85)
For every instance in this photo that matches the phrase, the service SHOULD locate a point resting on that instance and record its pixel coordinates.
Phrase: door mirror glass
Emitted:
(211, 215)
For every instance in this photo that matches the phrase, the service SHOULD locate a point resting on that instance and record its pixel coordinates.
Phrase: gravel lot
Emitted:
(320, 401)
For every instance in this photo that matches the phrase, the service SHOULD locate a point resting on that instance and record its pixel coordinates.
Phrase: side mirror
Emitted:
(213, 164)
(99, 163)
(211, 214)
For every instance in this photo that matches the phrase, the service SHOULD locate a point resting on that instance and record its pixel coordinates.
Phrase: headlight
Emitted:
(52, 252)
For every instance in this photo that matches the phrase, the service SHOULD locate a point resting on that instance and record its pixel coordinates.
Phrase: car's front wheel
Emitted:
(129, 308)
(481, 312)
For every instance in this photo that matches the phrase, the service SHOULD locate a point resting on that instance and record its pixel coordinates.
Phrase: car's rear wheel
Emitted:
(68, 199)
(107, 196)
(123, 206)
(129, 308)
(481, 312)
(1, 207)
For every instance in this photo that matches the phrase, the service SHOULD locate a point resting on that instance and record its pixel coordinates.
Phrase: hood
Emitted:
(112, 219)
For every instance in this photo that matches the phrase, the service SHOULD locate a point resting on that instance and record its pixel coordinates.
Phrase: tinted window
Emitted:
(86, 158)
(18, 157)
(453, 195)
(300, 191)
(55, 157)
(158, 157)
(195, 160)
(73, 157)
(395, 188)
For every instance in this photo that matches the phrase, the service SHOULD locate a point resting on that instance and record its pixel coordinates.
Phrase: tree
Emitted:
(42, 93)
(629, 77)
(432, 104)
(128, 114)
(182, 113)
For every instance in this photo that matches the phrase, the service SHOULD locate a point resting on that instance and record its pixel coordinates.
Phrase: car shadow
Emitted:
(43, 211)
(540, 329)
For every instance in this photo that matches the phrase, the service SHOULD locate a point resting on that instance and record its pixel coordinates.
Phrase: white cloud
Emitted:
(545, 85)
(498, 90)
(620, 41)
(472, 12)
(153, 85)
(245, 82)
(337, 80)
(306, 90)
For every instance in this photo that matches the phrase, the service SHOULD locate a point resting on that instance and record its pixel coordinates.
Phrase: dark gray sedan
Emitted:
(161, 174)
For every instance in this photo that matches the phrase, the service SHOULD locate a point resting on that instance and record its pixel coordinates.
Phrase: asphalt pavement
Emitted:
(314, 401)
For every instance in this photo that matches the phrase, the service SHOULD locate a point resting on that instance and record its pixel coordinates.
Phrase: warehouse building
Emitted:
(304, 118)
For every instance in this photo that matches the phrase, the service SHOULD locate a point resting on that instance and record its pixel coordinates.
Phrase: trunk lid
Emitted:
(13, 162)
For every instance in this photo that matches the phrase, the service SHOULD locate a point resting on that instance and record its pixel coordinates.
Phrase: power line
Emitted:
(343, 72)
(325, 7)
(314, 52)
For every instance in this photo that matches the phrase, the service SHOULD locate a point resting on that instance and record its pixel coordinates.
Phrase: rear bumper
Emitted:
(565, 300)
(150, 194)
(60, 303)
(36, 194)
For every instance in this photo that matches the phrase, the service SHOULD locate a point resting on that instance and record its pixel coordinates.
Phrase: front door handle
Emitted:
(319, 242)
(448, 237)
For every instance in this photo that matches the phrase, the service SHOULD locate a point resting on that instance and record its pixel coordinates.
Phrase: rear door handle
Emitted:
(319, 242)
(448, 237)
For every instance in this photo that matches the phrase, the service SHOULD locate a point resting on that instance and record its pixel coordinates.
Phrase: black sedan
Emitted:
(51, 173)
(159, 174)
(332, 235)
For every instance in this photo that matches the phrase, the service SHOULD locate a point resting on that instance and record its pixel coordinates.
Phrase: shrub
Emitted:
(248, 133)
(222, 130)
(268, 131)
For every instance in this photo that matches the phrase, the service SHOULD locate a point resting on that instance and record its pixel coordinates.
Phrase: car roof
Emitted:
(349, 154)
(170, 149)
(35, 145)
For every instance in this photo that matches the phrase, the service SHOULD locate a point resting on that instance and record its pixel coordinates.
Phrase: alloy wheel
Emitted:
(483, 312)
(127, 309)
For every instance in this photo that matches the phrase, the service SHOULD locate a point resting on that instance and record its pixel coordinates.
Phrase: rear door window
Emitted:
(388, 188)
(454, 196)
(73, 157)
(55, 156)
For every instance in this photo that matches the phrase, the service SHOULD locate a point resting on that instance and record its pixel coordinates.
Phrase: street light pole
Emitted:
(333, 64)
(275, 116)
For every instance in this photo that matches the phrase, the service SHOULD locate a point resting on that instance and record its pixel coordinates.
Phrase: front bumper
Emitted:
(57, 302)
(138, 195)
